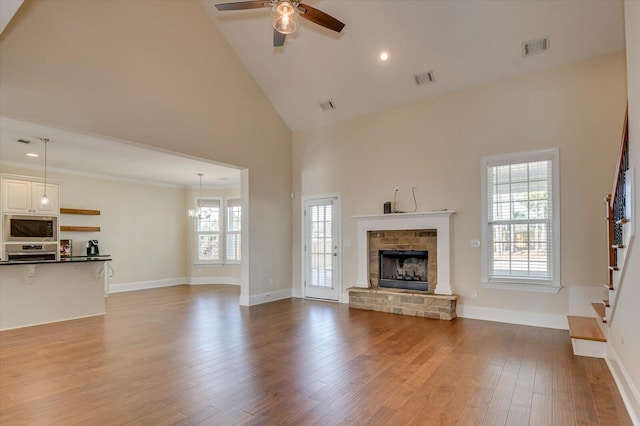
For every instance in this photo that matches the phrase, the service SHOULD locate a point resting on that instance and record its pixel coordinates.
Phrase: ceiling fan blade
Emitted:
(241, 5)
(278, 38)
(319, 17)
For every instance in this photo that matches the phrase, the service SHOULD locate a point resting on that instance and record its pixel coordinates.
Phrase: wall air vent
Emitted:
(327, 105)
(425, 78)
(532, 47)
(24, 141)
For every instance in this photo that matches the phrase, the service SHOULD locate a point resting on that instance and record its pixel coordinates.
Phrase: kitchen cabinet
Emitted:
(23, 196)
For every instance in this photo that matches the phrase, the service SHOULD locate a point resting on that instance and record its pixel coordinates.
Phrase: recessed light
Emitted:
(384, 56)
(32, 154)
(223, 178)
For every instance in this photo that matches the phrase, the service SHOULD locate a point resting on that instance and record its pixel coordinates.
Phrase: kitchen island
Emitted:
(36, 292)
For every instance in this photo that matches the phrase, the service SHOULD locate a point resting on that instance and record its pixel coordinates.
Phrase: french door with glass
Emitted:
(321, 249)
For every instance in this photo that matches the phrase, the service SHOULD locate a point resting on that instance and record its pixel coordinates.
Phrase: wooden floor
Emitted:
(190, 355)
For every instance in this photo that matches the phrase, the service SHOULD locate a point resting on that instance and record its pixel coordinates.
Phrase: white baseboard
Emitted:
(297, 293)
(628, 391)
(168, 282)
(141, 285)
(270, 296)
(213, 280)
(534, 319)
(51, 322)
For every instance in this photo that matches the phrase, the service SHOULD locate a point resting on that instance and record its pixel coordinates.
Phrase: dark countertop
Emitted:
(68, 259)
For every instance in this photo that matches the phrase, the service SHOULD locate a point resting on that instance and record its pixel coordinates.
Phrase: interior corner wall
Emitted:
(623, 332)
(165, 78)
(437, 144)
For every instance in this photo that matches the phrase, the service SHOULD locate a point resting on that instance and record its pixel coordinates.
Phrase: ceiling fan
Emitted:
(286, 16)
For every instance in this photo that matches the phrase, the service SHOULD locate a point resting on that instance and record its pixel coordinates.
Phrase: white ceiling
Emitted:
(465, 43)
(97, 156)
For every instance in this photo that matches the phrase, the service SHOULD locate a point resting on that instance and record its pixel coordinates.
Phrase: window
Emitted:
(234, 215)
(208, 231)
(521, 221)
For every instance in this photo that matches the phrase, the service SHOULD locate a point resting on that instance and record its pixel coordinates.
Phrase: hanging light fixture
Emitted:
(198, 212)
(285, 17)
(45, 200)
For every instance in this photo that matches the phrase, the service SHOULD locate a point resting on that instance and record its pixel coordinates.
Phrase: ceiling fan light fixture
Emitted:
(285, 17)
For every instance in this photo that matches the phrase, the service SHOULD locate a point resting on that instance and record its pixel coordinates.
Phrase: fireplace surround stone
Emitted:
(438, 302)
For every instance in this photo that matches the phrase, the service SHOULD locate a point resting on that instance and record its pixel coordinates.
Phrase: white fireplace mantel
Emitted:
(440, 220)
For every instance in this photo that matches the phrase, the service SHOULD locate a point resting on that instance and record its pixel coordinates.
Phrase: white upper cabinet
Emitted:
(22, 196)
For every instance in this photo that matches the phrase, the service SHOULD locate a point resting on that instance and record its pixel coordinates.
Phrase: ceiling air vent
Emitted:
(425, 78)
(24, 141)
(532, 47)
(328, 105)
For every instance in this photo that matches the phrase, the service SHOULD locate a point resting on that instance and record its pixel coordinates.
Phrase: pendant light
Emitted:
(45, 200)
(198, 213)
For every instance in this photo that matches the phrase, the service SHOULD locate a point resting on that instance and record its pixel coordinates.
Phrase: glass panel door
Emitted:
(321, 249)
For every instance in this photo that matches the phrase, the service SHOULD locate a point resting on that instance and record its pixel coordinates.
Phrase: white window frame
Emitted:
(227, 221)
(220, 234)
(552, 286)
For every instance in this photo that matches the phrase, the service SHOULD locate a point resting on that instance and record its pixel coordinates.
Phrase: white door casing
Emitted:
(321, 247)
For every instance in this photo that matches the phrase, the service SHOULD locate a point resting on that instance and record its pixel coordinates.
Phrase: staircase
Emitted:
(589, 334)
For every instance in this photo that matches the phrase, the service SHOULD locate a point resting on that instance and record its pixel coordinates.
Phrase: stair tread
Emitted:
(600, 310)
(585, 328)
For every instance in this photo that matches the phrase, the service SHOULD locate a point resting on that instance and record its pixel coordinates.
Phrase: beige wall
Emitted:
(624, 336)
(142, 226)
(437, 145)
(155, 72)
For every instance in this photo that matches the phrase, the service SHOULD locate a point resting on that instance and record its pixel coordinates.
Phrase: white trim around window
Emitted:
(208, 241)
(520, 216)
(233, 231)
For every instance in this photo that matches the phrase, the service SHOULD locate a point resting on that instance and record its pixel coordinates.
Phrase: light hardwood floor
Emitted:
(190, 355)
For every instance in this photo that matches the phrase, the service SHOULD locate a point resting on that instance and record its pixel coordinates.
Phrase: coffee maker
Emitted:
(92, 248)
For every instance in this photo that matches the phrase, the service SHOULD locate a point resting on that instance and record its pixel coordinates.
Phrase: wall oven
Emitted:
(26, 228)
(31, 252)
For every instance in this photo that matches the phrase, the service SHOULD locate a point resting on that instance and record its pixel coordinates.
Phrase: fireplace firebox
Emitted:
(406, 269)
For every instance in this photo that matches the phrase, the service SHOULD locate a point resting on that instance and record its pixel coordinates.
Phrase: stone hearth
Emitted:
(403, 302)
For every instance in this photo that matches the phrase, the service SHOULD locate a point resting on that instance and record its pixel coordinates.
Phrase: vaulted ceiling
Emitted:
(463, 43)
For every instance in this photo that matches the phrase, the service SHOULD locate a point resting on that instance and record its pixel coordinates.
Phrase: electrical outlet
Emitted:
(475, 243)
(270, 282)
(474, 294)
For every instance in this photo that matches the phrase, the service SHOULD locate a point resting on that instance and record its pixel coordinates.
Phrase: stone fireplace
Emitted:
(416, 247)
(405, 269)
(404, 264)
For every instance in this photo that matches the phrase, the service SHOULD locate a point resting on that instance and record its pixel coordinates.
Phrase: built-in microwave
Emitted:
(26, 228)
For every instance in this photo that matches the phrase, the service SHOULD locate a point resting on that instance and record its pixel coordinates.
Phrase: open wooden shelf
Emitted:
(80, 211)
(79, 229)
